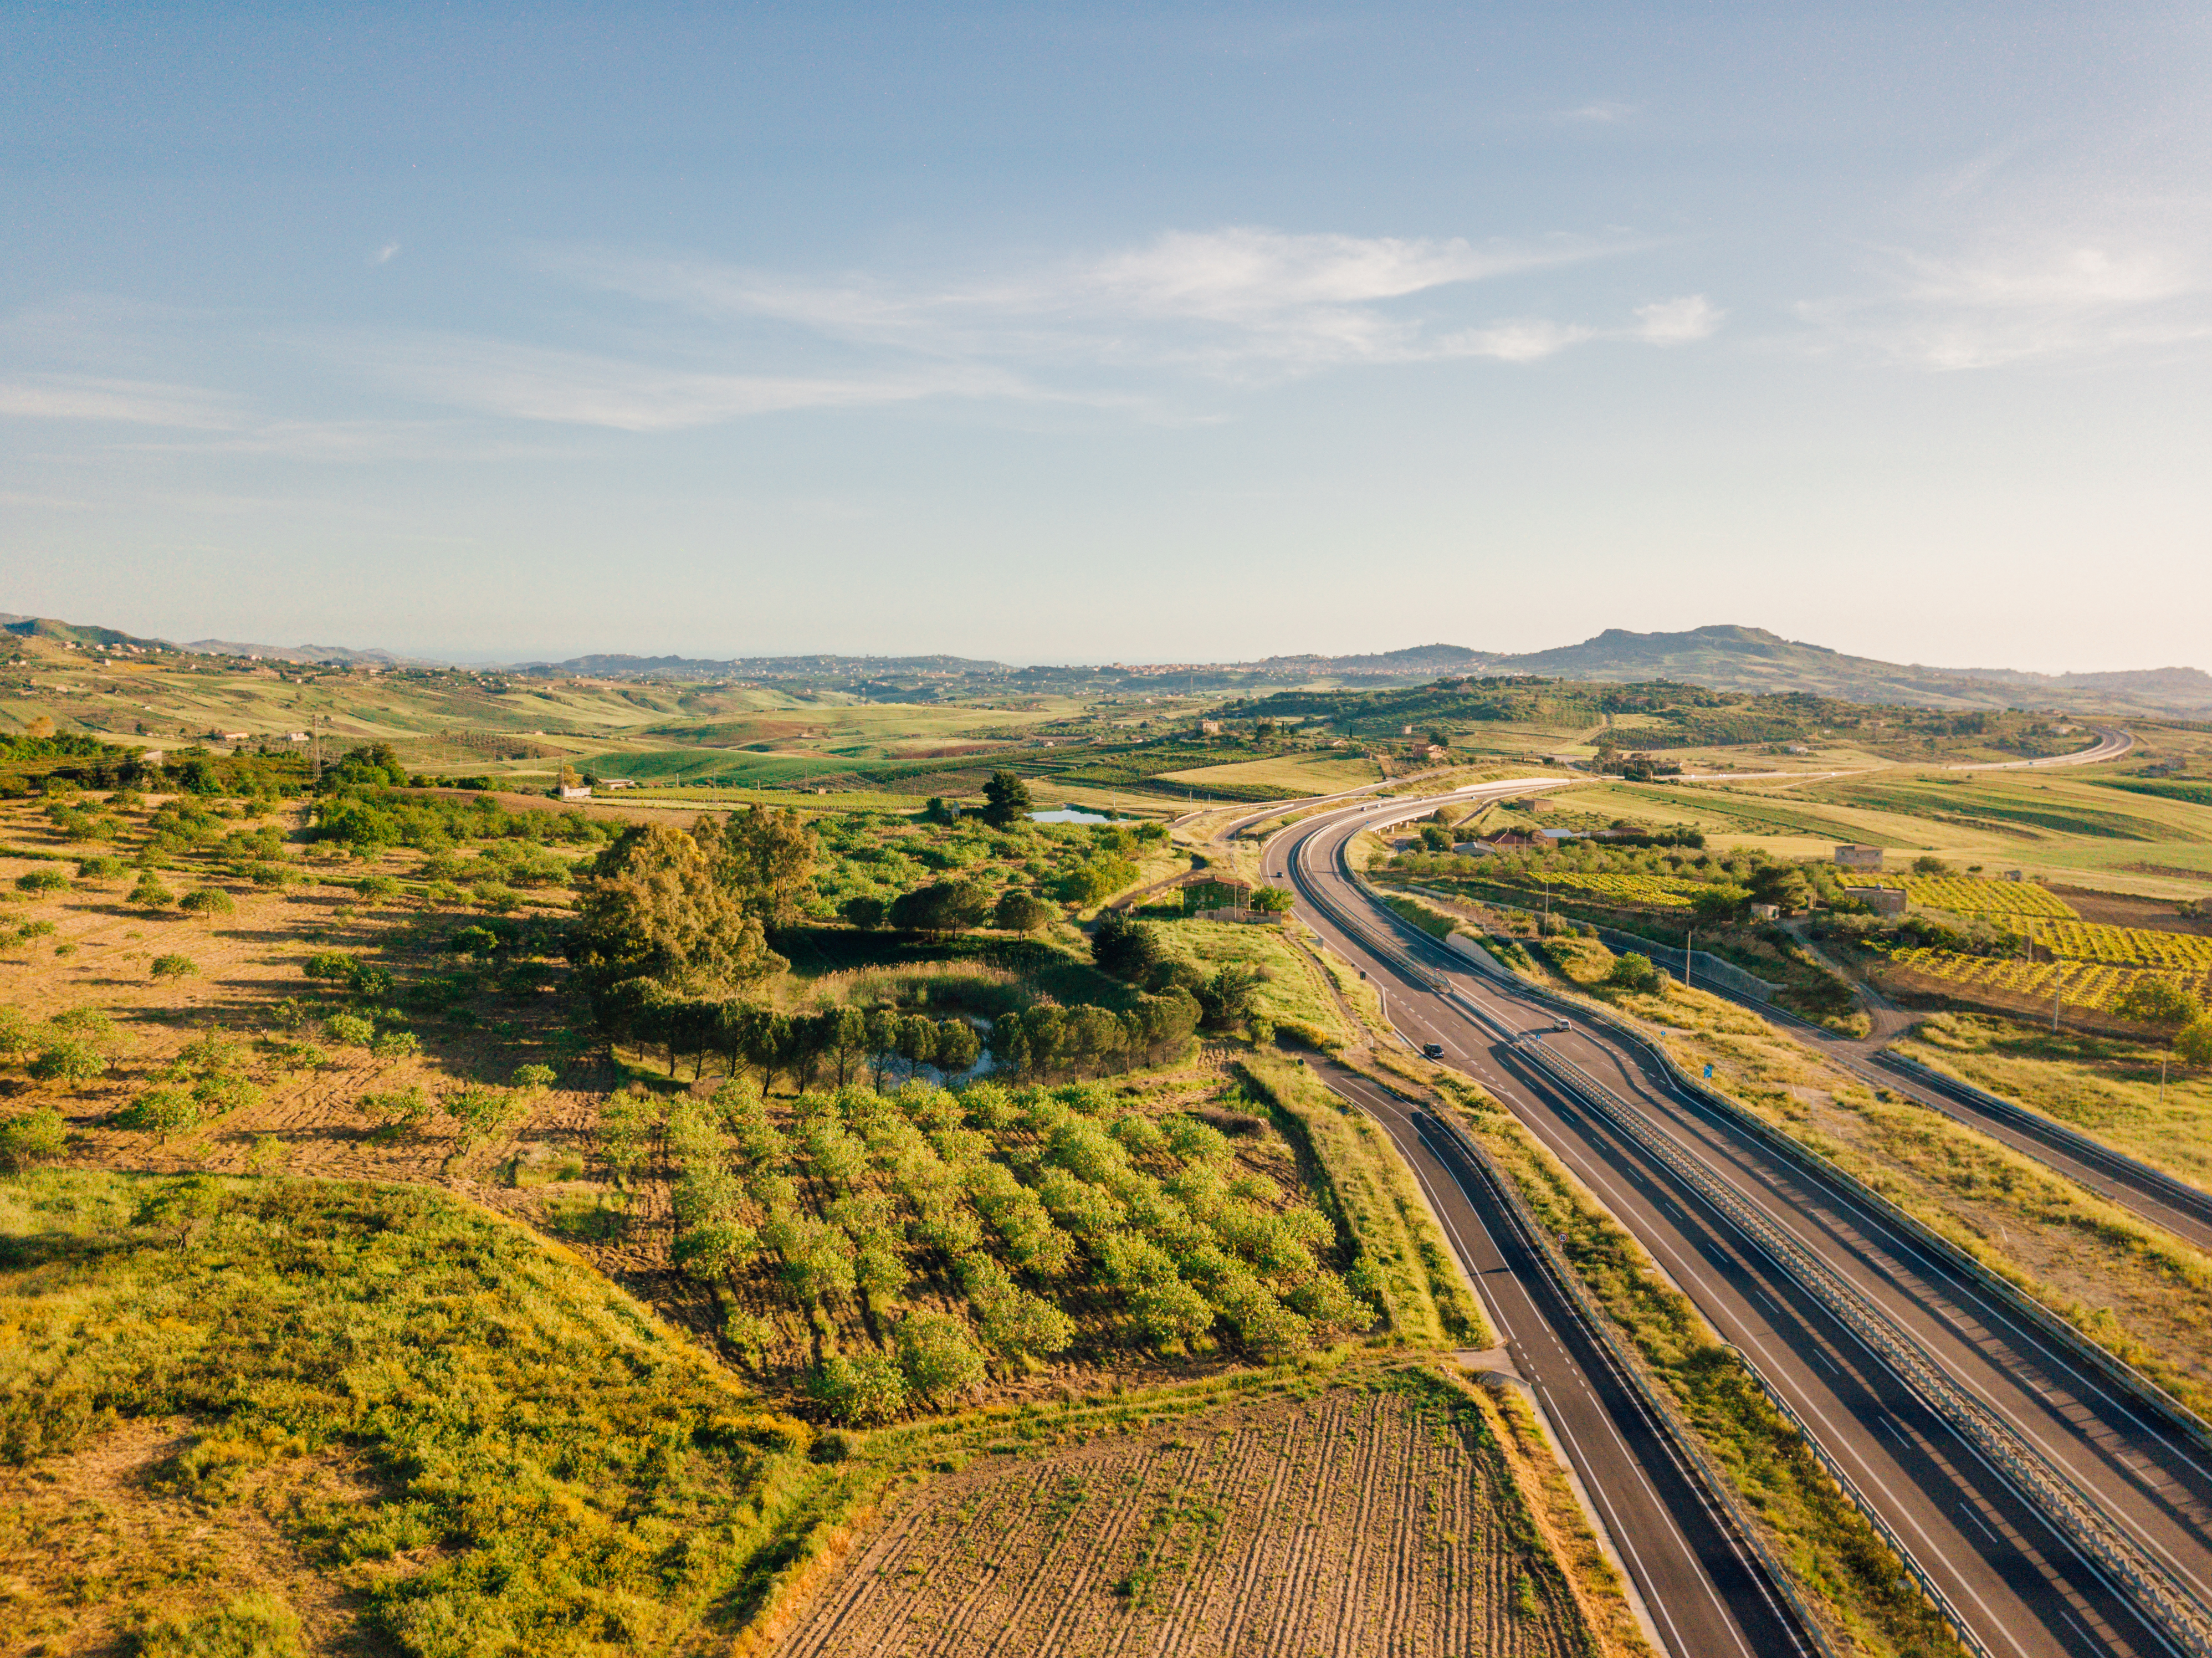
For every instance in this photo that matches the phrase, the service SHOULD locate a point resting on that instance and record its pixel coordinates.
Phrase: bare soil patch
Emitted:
(1351, 1523)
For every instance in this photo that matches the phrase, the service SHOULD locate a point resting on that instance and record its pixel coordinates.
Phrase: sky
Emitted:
(1110, 332)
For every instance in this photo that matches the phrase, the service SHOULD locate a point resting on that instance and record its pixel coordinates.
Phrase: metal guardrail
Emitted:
(1853, 1495)
(1718, 1491)
(2162, 1602)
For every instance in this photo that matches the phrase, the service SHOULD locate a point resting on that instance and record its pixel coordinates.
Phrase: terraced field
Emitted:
(1353, 1523)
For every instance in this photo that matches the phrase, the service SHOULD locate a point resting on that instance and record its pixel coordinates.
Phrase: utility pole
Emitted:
(1689, 954)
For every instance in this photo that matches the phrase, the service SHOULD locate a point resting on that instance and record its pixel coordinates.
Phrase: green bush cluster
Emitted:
(564, 1477)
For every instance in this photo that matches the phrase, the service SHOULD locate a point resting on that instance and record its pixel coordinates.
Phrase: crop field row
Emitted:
(2095, 985)
(938, 1234)
(1654, 891)
(2092, 941)
(1965, 895)
(1355, 1522)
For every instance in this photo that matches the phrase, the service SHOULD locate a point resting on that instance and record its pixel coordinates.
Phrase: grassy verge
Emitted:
(1560, 1521)
(1290, 994)
(1397, 1246)
(2106, 1086)
(1848, 1573)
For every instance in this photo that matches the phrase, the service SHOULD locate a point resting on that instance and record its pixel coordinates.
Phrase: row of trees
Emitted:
(1051, 1041)
(841, 1043)
(947, 907)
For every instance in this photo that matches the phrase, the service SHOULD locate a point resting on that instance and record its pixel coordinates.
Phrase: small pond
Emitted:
(1069, 814)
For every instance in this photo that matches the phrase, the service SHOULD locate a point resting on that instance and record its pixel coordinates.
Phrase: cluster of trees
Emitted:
(44, 762)
(840, 1043)
(947, 907)
(1047, 1039)
(1136, 952)
(689, 913)
(360, 806)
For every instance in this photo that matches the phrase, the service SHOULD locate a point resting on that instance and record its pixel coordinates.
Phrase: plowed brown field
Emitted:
(1353, 1523)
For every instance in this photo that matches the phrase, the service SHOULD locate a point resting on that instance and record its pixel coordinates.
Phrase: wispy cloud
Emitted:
(1599, 112)
(1239, 303)
(127, 402)
(1678, 322)
(386, 255)
(532, 383)
(2022, 300)
(1144, 330)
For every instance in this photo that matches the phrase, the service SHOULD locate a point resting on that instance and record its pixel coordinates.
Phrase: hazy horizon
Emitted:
(1119, 333)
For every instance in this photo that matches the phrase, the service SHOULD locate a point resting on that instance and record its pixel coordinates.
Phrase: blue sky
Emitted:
(1110, 332)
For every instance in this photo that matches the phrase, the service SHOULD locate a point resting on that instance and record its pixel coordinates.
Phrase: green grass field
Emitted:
(553, 1471)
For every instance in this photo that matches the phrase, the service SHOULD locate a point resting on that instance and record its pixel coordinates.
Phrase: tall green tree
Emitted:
(654, 908)
(766, 855)
(1006, 800)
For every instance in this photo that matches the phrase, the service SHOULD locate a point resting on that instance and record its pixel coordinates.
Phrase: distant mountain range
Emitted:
(1722, 658)
(292, 653)
(1754, 659)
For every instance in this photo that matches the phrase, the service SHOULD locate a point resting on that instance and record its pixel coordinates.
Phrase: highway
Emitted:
(2182, 1209)
(2012, 1572)
(1706, 1598)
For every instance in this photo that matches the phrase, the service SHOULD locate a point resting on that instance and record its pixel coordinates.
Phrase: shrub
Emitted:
(163, 1111)
(267, 1155)
(858, 1389)
(377, 888)
(1634, 972)
(715, 1249)
(2151, 1000)
(482, 1113)
(173, 967)
(397, 1113)
(254, 1626)
(99, 869)
(207, 902)
(270, 873)
(70, 1059)
(499, 900)
(1020, 912)
(217, 1094)
(42, 880)
(938, 1357)
(2192, 1044)
(151, 893)
(351, 1029)
(535, 1078)
(748, 1333)
(32, 1137)
(397, 1045)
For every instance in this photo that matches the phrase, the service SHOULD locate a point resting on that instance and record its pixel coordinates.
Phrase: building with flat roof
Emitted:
(1858, 857)
(1883, 901)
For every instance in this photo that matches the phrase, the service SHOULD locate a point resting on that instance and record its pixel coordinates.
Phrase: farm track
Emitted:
(1352, 1524)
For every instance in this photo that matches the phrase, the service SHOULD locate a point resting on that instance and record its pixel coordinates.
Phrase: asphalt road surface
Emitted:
(2013, 1578)
(1705, 1600)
